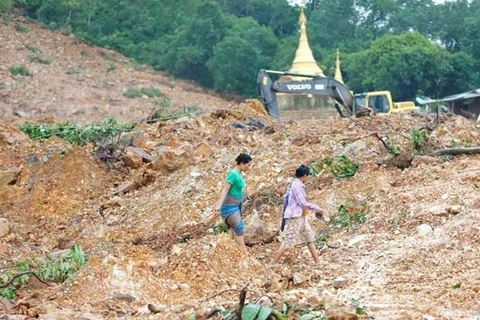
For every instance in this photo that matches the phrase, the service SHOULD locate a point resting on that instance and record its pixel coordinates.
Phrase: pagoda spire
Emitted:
(304, 61)
(338, 71)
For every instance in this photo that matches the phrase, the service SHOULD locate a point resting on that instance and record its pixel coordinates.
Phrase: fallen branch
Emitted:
(457, 151)
(220, 293)
(22, 274)
(241, 304)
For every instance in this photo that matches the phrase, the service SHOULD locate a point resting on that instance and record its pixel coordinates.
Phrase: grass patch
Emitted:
(73, 71)
(78, 134)
(111, 67)
(107, 56)
(39, 59)
(20, 70)
(22, 28)
(85, 54)
(135, 92)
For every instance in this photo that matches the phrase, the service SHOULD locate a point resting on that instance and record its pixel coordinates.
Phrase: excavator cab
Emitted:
(381, 102)
(378, 101)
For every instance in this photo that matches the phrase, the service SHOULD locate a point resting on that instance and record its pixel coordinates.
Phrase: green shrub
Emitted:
(85, 53)
(2, 86)
(418, 138)
(135, 92)
(111, 67)
(6, 6)
(20, 70)
(151, 92)
(107, 56)
(132, 92)
(22, 28)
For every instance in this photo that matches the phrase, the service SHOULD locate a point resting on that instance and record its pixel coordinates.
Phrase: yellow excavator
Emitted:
(347, 104)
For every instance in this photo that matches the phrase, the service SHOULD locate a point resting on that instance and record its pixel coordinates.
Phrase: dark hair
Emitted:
(243, 158)
(301, 171)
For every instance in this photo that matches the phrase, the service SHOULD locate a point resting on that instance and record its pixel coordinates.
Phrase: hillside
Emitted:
(405, 229)
(76, 82)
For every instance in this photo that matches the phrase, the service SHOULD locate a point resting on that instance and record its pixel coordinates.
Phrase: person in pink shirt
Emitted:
(295, 227)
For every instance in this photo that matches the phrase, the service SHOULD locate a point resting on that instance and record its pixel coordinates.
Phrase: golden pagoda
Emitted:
(338, 71)
(304, 61)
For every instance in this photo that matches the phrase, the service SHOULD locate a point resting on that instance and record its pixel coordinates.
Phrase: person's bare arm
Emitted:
(223, 195)
(216, 212)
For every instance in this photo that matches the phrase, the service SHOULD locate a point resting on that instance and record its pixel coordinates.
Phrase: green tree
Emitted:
(405, 64)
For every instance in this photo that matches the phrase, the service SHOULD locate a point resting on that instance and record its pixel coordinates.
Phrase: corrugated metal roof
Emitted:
(464, 95)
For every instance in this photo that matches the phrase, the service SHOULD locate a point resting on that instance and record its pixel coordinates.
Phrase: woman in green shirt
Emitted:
(231, 197)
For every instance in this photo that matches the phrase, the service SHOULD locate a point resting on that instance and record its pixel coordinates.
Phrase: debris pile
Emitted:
(149, 241)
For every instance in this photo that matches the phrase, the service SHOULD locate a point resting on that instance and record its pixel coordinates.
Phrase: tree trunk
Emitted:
(457, 151)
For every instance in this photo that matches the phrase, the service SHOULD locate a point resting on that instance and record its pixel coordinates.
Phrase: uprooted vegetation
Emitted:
(151, 255)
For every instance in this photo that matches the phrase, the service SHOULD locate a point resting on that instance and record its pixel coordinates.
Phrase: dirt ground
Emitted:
(415, 257)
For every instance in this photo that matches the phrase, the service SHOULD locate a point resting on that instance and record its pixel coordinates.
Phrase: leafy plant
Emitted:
(62, 267)
(394, 150)
(359, 308)
(2, 85)
(346, 219)
(20, 70)
(220, 228)
(78, 134)
(418, 138)
(48, 268)
(341, 167)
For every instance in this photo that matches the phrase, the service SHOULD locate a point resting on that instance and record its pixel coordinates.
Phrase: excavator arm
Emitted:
(330, 87)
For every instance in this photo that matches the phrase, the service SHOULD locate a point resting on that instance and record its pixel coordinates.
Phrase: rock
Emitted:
(8, 178)
(298, 278)
(203, 149)
(257, 231)
(338, 283)
(4, 227)
(171, 160)
(355, 147)
(341, 315)
(123, 297)
(145, 156)
(438, 211)
(132, 160)
(424, 230)
(357, 239)
(114, 202)
(127, 186)
(454, 209)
